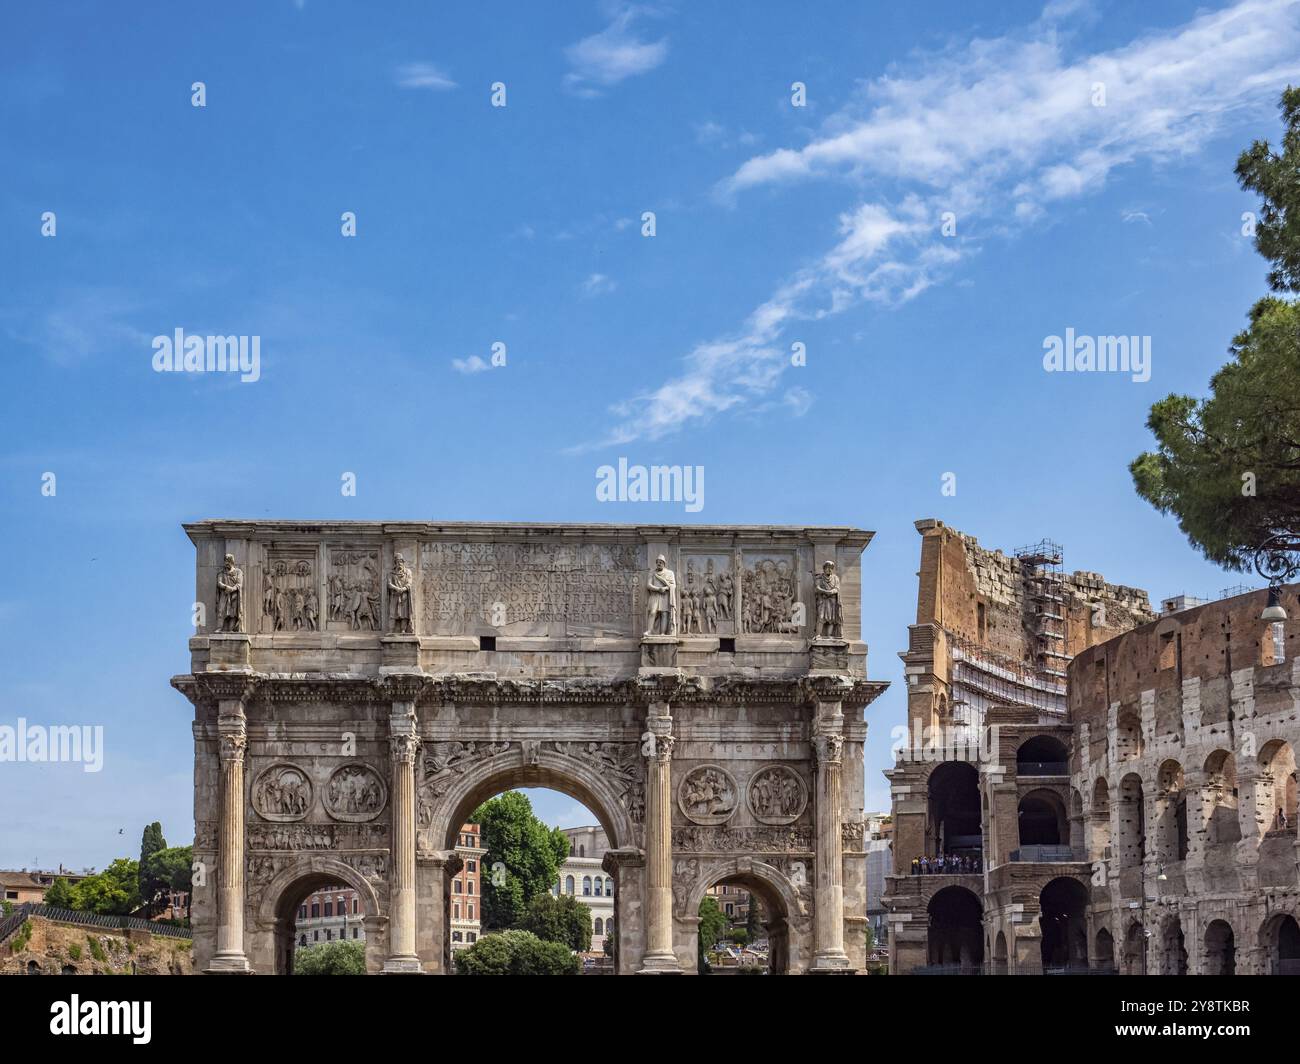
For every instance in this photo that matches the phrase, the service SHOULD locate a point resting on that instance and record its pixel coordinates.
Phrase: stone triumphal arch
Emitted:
(359, 688)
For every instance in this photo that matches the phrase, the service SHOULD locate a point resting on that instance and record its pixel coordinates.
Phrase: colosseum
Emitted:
(1086, 784)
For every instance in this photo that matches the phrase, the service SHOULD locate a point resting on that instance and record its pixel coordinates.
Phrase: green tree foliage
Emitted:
(713, 925)
(149, 886)
(1228, 467)
(172, 868)
(1275, 176)
(516, 953)
(1213, 453)
(331, 958)
(530, 852)
(112, 892)
(564, 919)
(60, 895)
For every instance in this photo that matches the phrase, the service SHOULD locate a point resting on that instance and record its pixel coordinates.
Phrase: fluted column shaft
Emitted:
(828, 895)
(657, 746)
(233, 737)
(404, 746)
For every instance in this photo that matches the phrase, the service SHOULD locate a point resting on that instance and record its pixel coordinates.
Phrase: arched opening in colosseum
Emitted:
(1171, 813)
(956, 931)
(1104, 957)
(1062, 918)
(953, 826)
(1128, 736)
(1132, 822)
(1174, 948)
(1100, 842)
(1042, 820)
(1278, 785)
(1043, 755)
(1280, 942)
(1135, 950)
(1221, 799)
(1220, 949)
(1000, 954)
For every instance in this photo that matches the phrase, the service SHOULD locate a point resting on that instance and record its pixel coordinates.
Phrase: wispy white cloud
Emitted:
(80, 324)
(598, 284)
(614, 54)
(473, 364)
(998, 129)
(424, 76)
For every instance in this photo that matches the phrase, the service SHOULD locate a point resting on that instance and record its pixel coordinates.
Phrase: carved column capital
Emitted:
(234, 744)
(828, 748)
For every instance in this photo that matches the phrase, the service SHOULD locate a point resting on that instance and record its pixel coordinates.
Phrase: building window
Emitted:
(329, 908)
(354, 907)
(609, 887)
(600, 887)
(600, 926)
(455, 887)
(586, 886)
(471, 937)
(470, 912)
(470, 866)
(302, 941)
(354, 932)
(568, 884)
(455, 912)
(456, 936)
(302, 912)
(469, 887)
(315, 910)
(315, 936)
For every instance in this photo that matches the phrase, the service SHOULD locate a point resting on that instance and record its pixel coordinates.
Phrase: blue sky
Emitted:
(522, 224)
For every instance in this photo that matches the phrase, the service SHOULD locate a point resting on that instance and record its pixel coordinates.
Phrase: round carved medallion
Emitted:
(355, 793)
(777, 795)
(282, 793)
(708, 795)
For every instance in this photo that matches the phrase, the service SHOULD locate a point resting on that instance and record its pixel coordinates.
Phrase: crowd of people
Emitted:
(948, 864)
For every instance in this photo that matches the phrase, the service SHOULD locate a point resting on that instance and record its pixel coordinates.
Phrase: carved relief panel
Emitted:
(352, 591)
(707, 589)
(621, 764)
(290, 595)
(777, 795)
(282, 793)
(355, 793)
(771, 594)
(708, 794)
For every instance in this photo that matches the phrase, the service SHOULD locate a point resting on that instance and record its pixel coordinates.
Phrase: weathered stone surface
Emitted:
(442, 664)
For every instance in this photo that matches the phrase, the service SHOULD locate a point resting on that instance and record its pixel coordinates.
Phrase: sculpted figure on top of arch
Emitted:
(830, 616)
(399, 596)
(230, 597)
(661, 600)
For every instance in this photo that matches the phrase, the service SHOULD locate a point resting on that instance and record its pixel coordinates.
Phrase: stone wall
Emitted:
(67, 949)
(1184, 755)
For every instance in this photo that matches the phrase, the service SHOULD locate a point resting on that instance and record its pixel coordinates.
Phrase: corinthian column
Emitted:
(404, 745)
(657, 746)
(828, 897)
(229, 958)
